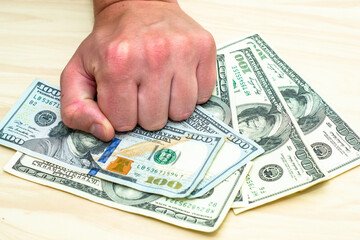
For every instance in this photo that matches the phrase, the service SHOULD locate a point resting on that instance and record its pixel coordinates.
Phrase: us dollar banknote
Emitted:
(219, 103)
(331, 138)
(203, 214)
(287, 166)
(162, 162)
(236, 151)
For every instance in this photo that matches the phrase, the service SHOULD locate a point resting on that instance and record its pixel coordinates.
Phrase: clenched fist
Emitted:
(144, 62)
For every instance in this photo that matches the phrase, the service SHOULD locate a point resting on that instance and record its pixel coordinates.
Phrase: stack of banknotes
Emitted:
(264, 134)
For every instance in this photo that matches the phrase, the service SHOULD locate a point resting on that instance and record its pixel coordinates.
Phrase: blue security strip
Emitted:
(109, 150)
(93, 171)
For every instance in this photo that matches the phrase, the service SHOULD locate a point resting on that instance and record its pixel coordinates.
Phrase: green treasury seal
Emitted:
(165, 156)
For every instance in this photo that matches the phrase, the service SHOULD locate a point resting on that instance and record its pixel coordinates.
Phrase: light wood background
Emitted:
(321, 41)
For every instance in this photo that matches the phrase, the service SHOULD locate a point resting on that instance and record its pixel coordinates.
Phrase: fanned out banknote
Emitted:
(331, 138)
(288, 164)
(202, 214)
(237, 149)
(336, 145)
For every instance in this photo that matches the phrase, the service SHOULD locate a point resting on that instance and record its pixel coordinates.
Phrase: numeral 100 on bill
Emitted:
(163, 181)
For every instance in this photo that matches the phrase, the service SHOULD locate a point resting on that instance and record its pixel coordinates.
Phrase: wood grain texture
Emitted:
(319, 39)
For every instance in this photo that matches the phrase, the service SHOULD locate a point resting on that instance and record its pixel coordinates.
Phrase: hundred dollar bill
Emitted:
(219, 103)
(203, 214)
(287, 166)
(236, 151)
(169, 162)
(332, 139)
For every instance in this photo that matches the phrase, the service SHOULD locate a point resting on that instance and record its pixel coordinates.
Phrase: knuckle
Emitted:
(114, 62)
(203, 98)
(180, 115)
(154, 125)
(157, 50)
(125, 125)
(183, 43)
(207, 41)
(153, 122)
(116, 55)
(115, 51)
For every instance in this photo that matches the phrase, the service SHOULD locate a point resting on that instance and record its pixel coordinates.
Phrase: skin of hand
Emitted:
(144, 62)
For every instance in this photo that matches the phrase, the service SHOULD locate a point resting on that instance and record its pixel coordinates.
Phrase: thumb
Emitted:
(78, 107)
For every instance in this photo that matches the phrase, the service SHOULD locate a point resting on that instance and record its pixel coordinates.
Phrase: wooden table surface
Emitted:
(319, 39)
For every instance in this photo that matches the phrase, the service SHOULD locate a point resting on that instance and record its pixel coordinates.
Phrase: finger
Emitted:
(206, 70)
(184, 91)
(153, 105)
(78, 108)
(117, 98)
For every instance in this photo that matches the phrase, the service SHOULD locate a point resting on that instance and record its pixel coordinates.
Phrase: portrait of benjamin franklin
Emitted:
(125, 195)
(218, 108)
(67, 145)
(267, 127)
(307, 107)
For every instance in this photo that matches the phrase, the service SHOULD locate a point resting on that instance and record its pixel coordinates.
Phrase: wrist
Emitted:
(100, 5)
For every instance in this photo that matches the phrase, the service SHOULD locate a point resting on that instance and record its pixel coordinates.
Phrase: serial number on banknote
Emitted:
(194, 207)
(159, 172)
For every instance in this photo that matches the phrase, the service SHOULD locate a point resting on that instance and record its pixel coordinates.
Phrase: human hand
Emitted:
(144, 61)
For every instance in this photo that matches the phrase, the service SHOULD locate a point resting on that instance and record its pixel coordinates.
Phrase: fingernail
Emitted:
(98, 131)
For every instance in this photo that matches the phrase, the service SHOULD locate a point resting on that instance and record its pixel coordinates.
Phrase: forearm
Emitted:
(99, 5)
